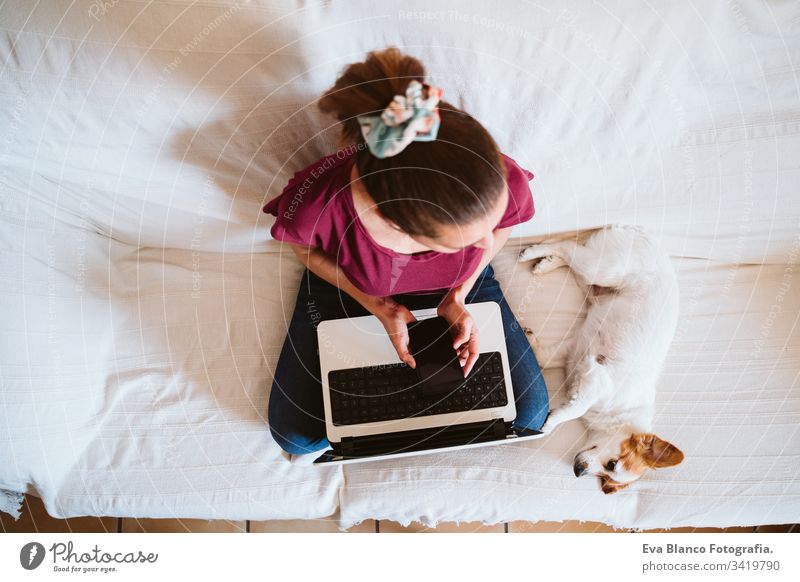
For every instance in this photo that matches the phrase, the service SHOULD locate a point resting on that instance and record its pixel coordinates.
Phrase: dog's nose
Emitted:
(579, 468)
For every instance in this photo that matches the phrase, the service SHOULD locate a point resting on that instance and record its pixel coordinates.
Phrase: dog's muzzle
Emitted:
(580, 468)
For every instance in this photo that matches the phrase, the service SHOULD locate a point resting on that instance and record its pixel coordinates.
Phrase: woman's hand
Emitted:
(465, 334)
(395, 319)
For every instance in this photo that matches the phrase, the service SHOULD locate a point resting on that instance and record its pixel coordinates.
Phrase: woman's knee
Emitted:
(533, 415)
(294, 430)
(297, 442)
(530, 394)
(539, 410)
(294, 435)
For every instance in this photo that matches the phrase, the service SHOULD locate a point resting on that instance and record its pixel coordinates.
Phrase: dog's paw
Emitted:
(548, 425)
(543, 265)
(544, 258)
(529, 253)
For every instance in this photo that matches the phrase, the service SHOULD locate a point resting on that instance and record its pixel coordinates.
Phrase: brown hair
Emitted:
(455, 179)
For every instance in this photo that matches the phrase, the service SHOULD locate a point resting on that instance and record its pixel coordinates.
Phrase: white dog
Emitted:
(613, 362)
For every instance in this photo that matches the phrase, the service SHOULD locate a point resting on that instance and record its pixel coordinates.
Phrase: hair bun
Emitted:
(368, 87)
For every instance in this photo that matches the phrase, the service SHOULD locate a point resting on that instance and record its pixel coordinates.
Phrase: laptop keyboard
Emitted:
(392, 391)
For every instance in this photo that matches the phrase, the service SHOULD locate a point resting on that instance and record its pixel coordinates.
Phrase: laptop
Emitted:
(377, 407)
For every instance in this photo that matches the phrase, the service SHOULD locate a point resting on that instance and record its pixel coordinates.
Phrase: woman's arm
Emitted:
(500, 238)
(453, 309)
(391, 314)
(323, 265)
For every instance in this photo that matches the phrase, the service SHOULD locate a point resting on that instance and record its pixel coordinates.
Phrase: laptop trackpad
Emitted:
(438, 367)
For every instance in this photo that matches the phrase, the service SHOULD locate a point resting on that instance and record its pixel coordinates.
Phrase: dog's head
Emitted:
(620, 459)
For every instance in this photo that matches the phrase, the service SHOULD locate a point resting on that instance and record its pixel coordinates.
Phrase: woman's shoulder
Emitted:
(309, 201)
(520, 198)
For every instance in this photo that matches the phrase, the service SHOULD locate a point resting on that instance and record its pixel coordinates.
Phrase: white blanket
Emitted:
(143, 305)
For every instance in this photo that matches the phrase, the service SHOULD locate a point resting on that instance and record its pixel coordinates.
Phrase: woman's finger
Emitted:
(473, 354)
(473, 357)
(462, 336)
(405, 356)
(399, 339)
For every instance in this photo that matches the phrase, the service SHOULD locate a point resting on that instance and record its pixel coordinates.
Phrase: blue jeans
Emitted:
(296, 417)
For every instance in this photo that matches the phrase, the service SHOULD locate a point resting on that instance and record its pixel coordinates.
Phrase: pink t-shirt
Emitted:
(316, 209)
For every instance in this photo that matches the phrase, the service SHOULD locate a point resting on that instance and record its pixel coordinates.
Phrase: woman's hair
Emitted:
(455, 179)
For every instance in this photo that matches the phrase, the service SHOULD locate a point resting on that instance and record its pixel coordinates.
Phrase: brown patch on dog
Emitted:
(600, 359)
(647, 451)
(657, 452)
(608, 485)
(527, 330)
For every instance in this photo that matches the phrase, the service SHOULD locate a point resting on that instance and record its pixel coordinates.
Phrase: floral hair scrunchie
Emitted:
(413, 117)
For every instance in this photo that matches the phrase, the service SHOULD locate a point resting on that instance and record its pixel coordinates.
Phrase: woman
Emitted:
(407, 215)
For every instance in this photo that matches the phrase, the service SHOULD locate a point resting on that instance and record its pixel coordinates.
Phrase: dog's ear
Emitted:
(608, 485)
(657, 452)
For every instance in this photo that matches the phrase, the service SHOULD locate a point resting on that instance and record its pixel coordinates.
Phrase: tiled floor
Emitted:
(131, 525)
(35, 519)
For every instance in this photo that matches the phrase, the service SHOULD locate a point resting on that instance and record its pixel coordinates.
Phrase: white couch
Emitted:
(144, 307)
